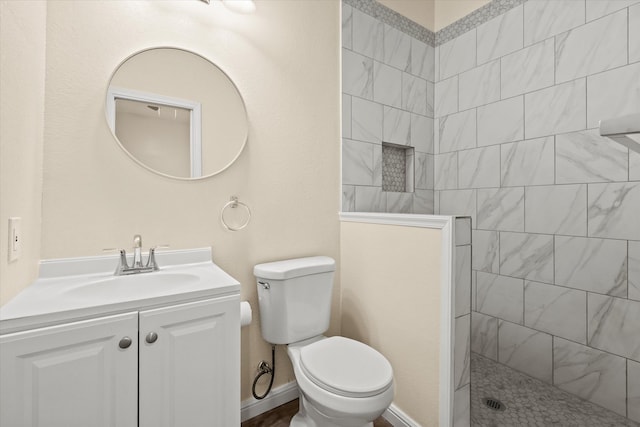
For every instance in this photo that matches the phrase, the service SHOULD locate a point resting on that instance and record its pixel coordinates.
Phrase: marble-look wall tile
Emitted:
(556, 310)
(414, 94)
(598, 46)
(595, 265)
(480, 85)
(591, 374)
(457, 131)
(479, 167)
(462, 407)
(528, 162)
(587, 157)
(446, 96)
(633, 390)
(613, 325)
(558, 109)
(501, 121)
(474, 289)
(546, 18)
(501, 209)
(500, 296)
(387, 85)
(484, 335)
(399, 202)
(348, 198)
(396, 126)
(634, 270)
(634, 33)
(458, 202)
(556, 209)
(347, 26)
(370, 199)
(436, 202)
(528, 69)
(368, 35)
(357, 163)
(634, 164)
(346, 116)
(613, 210)
(366, 120)
(397, 48)
(422, 133)
(423, 171)
(599, 8)
(422, 60)
(463, 231)
(613, 93)
(423, 202)
(486, 249)
(357, 74)
(463, 280)
(458, 55)
(527, 256)
(462, 352)
(430, 99)
(500, 35)
(526, 350)
(446, 172)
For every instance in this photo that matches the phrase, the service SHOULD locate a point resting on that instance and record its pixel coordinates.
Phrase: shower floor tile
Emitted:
(530, 402)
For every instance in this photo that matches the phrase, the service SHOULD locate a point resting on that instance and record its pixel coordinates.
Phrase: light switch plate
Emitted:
(15, 239)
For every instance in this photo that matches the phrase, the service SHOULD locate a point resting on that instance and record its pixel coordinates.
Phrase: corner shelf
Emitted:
(619, 129)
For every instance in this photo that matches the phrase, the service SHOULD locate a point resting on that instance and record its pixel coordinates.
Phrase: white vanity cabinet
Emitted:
(178, 365)
(71, 375)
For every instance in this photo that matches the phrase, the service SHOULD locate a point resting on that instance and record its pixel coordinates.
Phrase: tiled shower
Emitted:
(502, 115)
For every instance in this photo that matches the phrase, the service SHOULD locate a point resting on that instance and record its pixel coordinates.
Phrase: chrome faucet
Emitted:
(137, 266)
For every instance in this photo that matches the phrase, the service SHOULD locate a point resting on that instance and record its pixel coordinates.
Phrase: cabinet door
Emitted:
(71, 375)
(190, 375)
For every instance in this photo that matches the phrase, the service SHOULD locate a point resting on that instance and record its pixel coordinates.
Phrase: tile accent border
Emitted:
(474, 19)
(450, 32)
(394, 19)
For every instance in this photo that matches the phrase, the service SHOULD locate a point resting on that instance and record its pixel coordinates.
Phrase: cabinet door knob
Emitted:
(125, 342)
(151, 337)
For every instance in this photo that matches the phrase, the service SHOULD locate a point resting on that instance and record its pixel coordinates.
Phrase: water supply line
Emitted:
(264, 368)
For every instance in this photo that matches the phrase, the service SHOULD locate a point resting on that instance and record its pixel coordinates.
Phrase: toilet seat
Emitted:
(346, 367)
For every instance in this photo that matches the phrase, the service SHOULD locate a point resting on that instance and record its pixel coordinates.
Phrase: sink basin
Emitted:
(134, 286)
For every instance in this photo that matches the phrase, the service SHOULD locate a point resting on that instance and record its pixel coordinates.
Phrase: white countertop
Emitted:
(63, 291)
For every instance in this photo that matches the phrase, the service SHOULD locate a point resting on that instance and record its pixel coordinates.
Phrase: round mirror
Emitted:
(176, 113)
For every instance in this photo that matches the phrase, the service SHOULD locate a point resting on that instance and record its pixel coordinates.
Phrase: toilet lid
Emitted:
(346, 367)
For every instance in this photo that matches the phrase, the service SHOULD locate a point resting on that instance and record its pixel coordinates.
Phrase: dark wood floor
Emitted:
(281, 416)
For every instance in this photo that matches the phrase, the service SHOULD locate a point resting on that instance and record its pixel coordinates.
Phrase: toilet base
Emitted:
(309, 416)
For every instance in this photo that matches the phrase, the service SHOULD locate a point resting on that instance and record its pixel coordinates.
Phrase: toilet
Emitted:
(342, 382)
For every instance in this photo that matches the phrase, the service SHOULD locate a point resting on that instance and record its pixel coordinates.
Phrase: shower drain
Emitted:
(493, 403)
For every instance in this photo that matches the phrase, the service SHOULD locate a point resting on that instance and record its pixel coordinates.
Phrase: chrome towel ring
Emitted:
(233, 203)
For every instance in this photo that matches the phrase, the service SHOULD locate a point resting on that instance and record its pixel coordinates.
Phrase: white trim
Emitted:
(278, 396)
(397, 418)
(406, 220)
(195, 123)
(447, 322)
(447, 225)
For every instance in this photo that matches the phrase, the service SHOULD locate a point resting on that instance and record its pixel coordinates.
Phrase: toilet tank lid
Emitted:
(287, 269)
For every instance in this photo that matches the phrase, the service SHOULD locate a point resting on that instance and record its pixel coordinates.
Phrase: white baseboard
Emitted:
(287, 392)
(397, 418)
(278, 396)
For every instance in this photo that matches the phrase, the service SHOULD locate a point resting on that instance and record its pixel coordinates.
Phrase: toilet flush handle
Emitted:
(265, 285)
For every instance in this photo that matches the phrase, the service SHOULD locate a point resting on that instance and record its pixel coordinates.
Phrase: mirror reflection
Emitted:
(176, 113)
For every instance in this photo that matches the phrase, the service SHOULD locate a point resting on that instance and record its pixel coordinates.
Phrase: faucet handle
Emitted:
(151, 260)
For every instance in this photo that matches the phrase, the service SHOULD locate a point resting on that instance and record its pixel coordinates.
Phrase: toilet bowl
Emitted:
(342, 382)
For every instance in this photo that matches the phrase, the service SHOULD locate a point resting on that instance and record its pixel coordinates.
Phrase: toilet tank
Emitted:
(294, 297)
